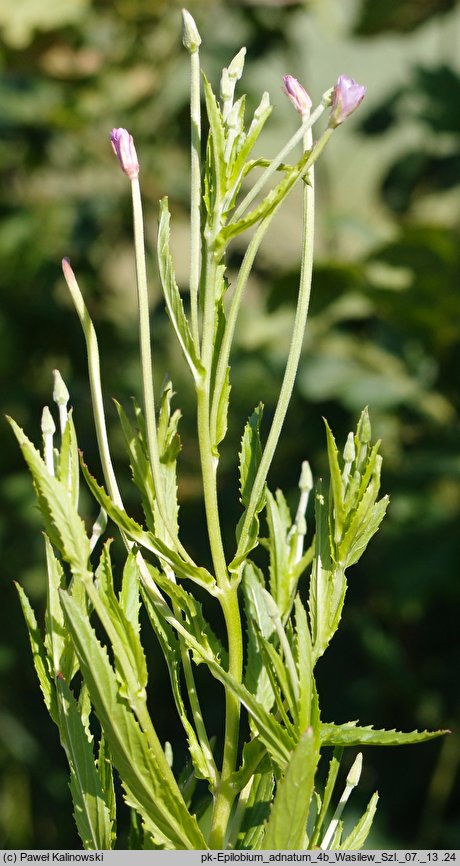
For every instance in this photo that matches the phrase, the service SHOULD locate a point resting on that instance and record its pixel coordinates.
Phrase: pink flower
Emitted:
(297, 94)
(346, 98)
(123, 147)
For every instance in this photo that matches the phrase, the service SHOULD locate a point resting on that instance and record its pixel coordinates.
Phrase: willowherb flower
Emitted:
(297, 94)
(346, 97)
(123, 147)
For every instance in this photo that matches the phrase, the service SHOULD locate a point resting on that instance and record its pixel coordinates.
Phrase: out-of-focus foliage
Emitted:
(399, 15)
(384, 331)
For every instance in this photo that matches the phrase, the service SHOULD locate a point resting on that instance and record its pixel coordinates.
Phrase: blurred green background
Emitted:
(384, 331)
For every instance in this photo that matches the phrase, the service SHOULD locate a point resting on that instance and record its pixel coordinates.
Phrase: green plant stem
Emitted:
(227, 340)
(227, 592)
(94, 371)
(195, 195)
(295, 350)
(146, 366)
(226, 792)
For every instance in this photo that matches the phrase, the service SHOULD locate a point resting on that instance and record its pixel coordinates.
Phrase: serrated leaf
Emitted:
(39, 656)
(105, 771)
(279, 523)
(60, 651)
(172, 296)
(202, 758)
(222, 410)
(66, 528)
(169, 447)
(148, 781)
(129, 593)
(327, 584)
(336, 483)
(147, 539)
(140, 466)
(333, 771)
(356, 839)
(216, 165)
(250, 456)
(256, 812)
(266, 206)
(350, 734)
(258, 620)
(130, 663)
(68, 463)
(286, 827)
(304, 661)
(90, 809)
(192, 610)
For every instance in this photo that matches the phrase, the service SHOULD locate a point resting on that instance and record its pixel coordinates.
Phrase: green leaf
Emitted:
(202, 760)
(194, 620)
(304, 661)
(327, 584)
(239, 164)
(258, 621)
(147, 539)
(148, 781)
(169, 447)
(215, 164)
(90, 809)
(130, 663)
(350, 734)
(129, 593)
(140, 466)
(172, 296)
(39, 656)
(356, 839)
(250, 456)
(267, 205)
(256, 812)
(286, 827)
(68, 464)
(105, 771)
(64, 525)
(279, 523)
(222, 410)
(336, 482)
(333, 771)
(60, 650)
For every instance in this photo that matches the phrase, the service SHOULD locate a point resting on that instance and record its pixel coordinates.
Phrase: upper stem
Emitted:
(195, 194)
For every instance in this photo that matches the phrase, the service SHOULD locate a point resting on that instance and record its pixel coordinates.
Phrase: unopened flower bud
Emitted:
(297, 94)
(123, 147)
(191, 39)
(346, 98)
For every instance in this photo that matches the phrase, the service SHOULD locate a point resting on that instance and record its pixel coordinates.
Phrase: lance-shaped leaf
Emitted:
(140, 466)
(215, 162)
(327, 584)
(39, 656)
(61, 653)
(90, 808)
(250, 457)
(351, 734)
(63, 523)
(267, 205)
(171, 292)
(147, 539)
(68, 463)
(193, 617)
(239, 166)
(258, 621)
(202, 759)
(356, 839)
(130, 663)
(286, 827)
(105, 771)
(256, 812)
(147, 778)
